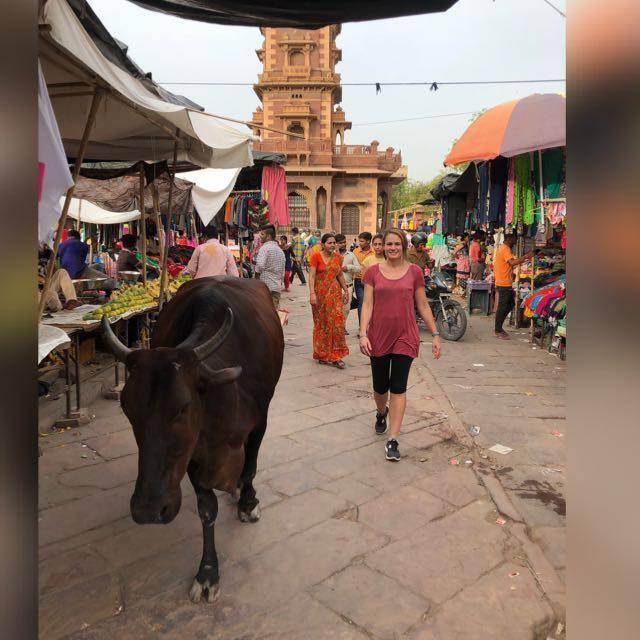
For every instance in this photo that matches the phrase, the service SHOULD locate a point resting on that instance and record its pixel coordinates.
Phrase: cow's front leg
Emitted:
(248, 507)
(207, 580)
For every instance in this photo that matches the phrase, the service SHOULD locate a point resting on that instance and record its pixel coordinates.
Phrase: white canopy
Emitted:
(211, 187)
(55, 175)
(132, 122)
(86, 211)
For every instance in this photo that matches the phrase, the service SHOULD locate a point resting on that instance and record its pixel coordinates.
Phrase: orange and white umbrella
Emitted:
(512, 128)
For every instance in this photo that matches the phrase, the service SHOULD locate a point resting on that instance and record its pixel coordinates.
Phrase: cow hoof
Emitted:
(209, 591)
(249, 516)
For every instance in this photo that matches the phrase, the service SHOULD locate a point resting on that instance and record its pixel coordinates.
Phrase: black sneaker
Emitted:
(392, 451)
(381, 422)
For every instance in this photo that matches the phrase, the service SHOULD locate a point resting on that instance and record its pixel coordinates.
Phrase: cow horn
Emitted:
(112, 341)
(204, 350)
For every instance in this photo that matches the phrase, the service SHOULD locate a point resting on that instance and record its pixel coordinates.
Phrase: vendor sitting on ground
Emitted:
(60, 284)
(73, 259)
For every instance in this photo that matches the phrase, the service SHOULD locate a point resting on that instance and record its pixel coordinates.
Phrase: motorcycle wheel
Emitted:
(453, 326)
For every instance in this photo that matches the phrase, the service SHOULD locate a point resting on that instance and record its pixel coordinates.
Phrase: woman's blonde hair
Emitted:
(403, 239)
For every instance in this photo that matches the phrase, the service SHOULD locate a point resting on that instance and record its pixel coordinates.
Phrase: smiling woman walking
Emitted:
(328, 292)
(389, 333)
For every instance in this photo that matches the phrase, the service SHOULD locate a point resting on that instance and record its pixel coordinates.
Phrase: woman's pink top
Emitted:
(393, 327)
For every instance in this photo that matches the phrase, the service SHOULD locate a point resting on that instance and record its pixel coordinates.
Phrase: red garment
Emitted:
(393, 327)
(329, 342)
(274, 191)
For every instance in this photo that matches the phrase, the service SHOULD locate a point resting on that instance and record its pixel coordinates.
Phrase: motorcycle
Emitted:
(449, 315)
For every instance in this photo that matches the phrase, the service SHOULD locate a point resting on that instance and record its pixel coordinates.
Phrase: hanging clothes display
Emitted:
(552, 172)
(274, 191)
(510, 188)
(483, 192)
(498, 174)
(523, 192)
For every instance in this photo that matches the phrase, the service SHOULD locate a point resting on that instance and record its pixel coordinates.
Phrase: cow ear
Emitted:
(221, 376)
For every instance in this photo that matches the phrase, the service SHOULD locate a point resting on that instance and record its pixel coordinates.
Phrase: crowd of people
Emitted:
(380, 276)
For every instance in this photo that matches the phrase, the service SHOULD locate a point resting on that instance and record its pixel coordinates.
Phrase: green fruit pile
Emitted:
(128, 298)
(134, 297)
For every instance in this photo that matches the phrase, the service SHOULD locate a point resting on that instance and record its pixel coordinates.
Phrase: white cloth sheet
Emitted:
(120, 132)
(48, 339)
(211, 189)
(86, 211)
(57, 177)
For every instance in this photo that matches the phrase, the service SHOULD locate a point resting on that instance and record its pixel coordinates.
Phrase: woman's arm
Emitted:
(343, 286)
(313, 299)
(365, 318)
(425, 313)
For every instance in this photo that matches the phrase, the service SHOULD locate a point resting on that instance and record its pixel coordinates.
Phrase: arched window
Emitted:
(298, 213)
(296, 58)
(296, 127)
(350, 220)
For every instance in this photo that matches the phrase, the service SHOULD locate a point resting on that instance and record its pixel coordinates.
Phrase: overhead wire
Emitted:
(429, 117)
(378, 85)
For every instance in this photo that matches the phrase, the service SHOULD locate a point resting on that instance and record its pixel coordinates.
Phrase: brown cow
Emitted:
(198, 403)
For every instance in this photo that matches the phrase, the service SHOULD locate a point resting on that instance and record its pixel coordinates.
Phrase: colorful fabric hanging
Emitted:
(274, 191)
(523, 193)
(552, 172)
(510, 188)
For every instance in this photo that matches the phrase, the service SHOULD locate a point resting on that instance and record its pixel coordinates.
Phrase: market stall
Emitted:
(517, 151)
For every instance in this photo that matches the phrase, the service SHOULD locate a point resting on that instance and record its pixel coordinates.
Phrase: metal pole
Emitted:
(77, 363)
(164, 276)
(143, 225)
(95, 102)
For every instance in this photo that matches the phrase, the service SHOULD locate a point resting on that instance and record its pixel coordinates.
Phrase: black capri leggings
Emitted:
(390, 373)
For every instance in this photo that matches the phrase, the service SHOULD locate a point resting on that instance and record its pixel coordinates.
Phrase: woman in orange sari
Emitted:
(328, 293)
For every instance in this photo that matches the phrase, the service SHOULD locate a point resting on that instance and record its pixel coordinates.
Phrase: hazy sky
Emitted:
(474, 40)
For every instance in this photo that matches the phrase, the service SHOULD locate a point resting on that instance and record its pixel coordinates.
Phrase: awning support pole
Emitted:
(143, 226)
(164, 278)
(93, 111)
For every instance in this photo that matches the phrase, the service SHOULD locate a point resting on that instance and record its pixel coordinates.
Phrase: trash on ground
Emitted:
(557, 434)
(478, 365)
(84, 626)
(474, 431)
(463, 386)
(484, 456)
(118, 610)
(44, 435)
(529, 393)
(454, 461)
(500, 448)
(84, 456)
(468, 461)
(423, 459)
(501, 522)
(514, 574)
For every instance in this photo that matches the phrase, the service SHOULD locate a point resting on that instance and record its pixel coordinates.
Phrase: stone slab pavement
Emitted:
(349, 546)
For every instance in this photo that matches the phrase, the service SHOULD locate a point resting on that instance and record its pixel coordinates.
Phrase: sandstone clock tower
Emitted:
(332, 186)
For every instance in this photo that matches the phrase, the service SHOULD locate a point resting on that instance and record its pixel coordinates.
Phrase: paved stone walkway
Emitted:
(349, 546)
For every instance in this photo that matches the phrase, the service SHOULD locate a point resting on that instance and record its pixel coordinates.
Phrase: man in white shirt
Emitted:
(350, 267)
(270, 263)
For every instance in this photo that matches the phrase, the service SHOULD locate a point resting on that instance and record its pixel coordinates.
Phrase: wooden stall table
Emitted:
(72, 323)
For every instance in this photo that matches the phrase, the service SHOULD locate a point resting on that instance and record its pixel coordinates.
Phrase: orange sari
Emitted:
(329, 342)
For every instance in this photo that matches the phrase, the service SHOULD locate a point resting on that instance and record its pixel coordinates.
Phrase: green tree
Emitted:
(409, 192)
